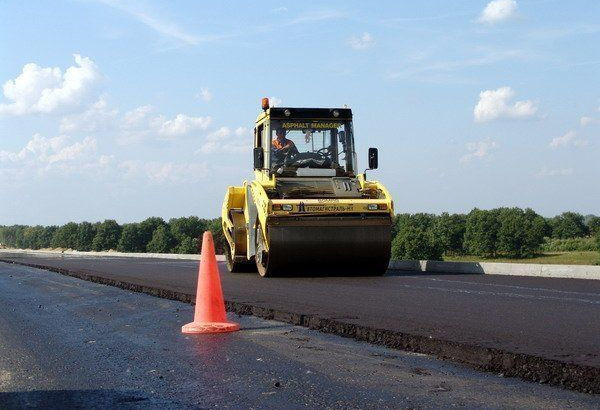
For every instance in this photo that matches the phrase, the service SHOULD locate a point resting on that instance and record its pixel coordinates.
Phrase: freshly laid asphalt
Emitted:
(548, 318)
(68, 343)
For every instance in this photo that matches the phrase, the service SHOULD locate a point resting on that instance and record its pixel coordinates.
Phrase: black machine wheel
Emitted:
(233, 266)
(262, 256)
(236, 266)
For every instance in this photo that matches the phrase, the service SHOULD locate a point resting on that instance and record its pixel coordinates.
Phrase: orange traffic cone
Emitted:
(209, 315)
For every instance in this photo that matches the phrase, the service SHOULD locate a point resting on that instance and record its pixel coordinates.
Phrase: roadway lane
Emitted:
(556, 319)
(66, 343)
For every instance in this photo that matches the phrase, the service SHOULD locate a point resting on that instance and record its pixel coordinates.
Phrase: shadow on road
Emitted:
(82, 399)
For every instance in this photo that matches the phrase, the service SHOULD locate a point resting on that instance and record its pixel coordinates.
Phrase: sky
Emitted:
(131, 109)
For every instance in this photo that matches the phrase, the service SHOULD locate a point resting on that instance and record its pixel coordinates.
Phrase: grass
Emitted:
(558, 258)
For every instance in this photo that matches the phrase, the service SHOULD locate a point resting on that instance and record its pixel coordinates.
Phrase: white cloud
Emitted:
(180, 125)
(43, 150)
(585, 121)
(226, 140)
(205, 94)
(141, 123)
(495, 104)
(315, 16)
(498, 10)
(44, 155)
(164, 172)
(547, 172)
(137, 117)
(46, 89)
(570, 138)
(161, 26)
(275, 102)
(98, 117)
(478, 150)
(362, 42)
(134, 125)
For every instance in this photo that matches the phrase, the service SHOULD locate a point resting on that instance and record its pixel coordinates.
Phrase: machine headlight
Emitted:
(336, 113)
(372, 207)
(287, 113)
(286, 207)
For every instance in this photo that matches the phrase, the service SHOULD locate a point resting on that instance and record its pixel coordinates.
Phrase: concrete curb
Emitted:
(494, 268)
(111, 254)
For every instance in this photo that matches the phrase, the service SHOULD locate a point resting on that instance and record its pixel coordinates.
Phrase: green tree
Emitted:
(10, 235)
(19, 235)
(45, 237)
(536, 228)
(65, 236)
(131, 239)
(416, 238)
(85, 236)
(593, 224)
(107, 236)
(6, 236)
(520, 232)
(187, 246)
(511, 232)
(568, 225)
(148, 226)
(186, 231)
(162, 241)
(450, 232)
(481, 232)
(190, 227)
(216, 228)
(598, 240)
(31, 236)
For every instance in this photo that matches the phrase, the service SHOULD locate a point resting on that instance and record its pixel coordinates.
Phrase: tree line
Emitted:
(154, 234)
(510, 232)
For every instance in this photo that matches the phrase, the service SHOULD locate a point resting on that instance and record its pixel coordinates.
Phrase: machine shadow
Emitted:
(81, 399)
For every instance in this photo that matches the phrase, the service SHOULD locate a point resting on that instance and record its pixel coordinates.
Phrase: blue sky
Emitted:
(130, 109)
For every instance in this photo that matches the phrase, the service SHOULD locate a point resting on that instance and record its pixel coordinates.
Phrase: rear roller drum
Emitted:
(262, 256)
(237, 266)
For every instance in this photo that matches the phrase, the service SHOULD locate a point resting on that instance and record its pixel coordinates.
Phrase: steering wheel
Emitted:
(325, 151)
(286, 155)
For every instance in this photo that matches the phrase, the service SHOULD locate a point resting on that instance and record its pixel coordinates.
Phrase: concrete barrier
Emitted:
(109, 254)
(494, 268)
(425, 266)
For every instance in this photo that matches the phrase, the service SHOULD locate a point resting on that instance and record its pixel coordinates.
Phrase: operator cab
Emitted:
(305, 142)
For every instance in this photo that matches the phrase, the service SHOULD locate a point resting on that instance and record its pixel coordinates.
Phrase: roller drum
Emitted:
(320, 245)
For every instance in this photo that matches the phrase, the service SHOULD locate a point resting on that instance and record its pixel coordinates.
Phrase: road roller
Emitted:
(308, 211)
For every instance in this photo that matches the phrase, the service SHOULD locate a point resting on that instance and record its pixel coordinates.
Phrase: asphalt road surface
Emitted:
(68, 343)
(555, 319)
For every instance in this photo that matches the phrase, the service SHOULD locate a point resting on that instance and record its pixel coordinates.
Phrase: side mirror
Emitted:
(373, 158)
(259, 158)
(342, 137)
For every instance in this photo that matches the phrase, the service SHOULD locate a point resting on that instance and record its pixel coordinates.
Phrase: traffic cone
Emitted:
(209, 314)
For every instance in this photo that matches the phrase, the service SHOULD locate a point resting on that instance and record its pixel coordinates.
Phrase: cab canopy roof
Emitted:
(308, 113)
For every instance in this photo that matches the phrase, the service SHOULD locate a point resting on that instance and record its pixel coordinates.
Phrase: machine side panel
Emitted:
(250, 214)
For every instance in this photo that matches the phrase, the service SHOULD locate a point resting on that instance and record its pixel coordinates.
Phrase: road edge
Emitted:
(589, 272)
(532, 368)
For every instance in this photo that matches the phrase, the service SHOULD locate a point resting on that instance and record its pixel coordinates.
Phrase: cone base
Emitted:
(209, 327)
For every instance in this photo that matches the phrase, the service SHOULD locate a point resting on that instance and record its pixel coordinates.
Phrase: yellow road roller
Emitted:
(308, 211)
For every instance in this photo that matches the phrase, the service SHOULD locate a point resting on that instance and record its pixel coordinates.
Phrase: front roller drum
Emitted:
(325, 246)
(235, 252)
